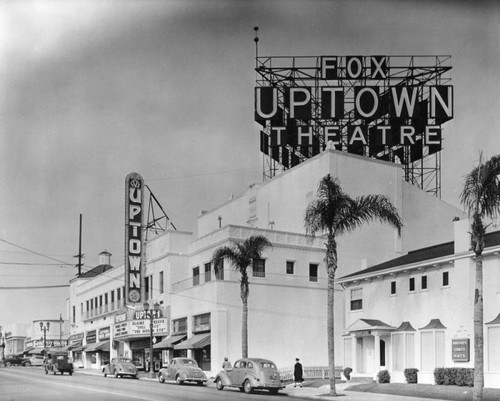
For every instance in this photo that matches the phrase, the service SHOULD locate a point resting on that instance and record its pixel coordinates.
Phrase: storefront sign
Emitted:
(146, 314)
(460, 349)
(75, 337)
(91, 337)
(104, 333)
(134, 186)
(141, 328)
(48, 343)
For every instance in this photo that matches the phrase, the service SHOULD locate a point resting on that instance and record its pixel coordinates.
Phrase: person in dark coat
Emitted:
(297, 373)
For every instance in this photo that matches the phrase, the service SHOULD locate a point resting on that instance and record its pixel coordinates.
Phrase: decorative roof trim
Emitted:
(434, 324)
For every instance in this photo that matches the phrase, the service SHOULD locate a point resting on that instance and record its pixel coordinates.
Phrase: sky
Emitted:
(91, 91)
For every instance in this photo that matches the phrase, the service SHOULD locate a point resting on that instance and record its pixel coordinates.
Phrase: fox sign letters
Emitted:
(361, 98)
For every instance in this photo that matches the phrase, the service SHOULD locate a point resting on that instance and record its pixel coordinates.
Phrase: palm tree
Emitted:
(334, 212)
(481, 199)
(242, 255)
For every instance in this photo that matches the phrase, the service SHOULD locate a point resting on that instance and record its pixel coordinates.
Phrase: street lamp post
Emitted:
(156, 307)
(44, 329)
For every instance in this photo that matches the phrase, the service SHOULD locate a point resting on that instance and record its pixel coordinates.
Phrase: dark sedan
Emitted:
(15, 360)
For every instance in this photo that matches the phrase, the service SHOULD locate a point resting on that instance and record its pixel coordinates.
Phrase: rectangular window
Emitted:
(118, 294)
(81, 309)
(201, 322)
(219, 270)
(393, 287)
(92, 304)
(161, 283)
(208, 272)
(252, 208)
(88, 304)
(112, 296)
(412, 284)
(259, 268)
(289, 267)
(196, 275)
(106, 299)
(313, 272)
(73, 317)
(446, 279)
(356, 299)
(146, 287)
(423, 283)
(179, 326)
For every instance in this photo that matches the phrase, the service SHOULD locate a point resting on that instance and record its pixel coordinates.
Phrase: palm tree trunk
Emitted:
(331, 260)
(477, 394)
(244, 328)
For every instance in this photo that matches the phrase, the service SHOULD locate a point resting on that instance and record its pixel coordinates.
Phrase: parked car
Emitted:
(120, 367)
(182, 370)
(36, 360)
(249, 374)
(58, 362)
(15, 360)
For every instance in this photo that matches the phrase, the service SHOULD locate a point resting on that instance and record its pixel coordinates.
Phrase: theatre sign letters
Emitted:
(376, 106)
(134, 188)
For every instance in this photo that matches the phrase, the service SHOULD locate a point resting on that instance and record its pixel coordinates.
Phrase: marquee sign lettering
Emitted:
(376, 106)
(134, 186)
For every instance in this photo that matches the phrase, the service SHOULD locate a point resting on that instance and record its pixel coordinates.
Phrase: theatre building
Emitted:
(199, 305)
(416, 311)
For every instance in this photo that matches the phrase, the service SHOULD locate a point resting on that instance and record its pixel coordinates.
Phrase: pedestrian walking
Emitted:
(298, 373)
(226, 365)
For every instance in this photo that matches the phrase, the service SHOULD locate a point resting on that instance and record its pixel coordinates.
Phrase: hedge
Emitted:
(454, 376)
(384, 376)
(411, 375)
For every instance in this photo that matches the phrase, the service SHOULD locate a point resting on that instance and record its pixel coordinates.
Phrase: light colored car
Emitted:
(36, 360)
(182, 370)
(120, 367)
(250, 374)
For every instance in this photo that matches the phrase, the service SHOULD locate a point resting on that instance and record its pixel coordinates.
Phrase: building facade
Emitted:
(416, 311)
(199, 307)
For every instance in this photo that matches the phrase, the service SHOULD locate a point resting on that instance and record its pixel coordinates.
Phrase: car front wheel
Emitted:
(247, 387)
(7, 364)
(218, 384)
(178, 379)
(104, 373)
(161, 379)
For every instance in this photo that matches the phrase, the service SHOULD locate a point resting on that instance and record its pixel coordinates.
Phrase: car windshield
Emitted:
(268, 365)
(187, 362)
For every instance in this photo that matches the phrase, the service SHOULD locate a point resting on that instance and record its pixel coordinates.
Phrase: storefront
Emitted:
(166, 346)
(199, 344)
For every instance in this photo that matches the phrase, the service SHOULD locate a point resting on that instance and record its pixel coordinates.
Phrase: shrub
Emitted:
(454, 376)
(384, 376)
(347, 373)
(411, 375)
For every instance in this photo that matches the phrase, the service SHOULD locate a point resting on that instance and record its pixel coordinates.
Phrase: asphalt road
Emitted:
(32, 384)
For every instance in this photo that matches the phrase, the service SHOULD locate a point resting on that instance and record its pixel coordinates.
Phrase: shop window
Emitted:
(201, 323)
(403, 351)
(219, 270)
(393, 288)
(423, 282)
(446, 279)
(208, 272)
(161, 283)
(493, 349)
(259, 268)
(179, 326)
(356, 299)
(432, 350)
(412, 284)
(313, 272)
(289, 267)
(196, 275)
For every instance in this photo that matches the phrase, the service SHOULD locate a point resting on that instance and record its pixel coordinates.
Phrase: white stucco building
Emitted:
(416, 311)
(201, 309)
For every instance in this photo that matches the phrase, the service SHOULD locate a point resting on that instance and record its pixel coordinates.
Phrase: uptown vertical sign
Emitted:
(134, 190)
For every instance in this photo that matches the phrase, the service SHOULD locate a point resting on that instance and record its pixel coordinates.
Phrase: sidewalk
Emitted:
(317, 393)
(321, 393)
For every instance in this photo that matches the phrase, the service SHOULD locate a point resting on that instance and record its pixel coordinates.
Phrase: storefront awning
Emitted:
(169, 342)
(100, 346)
(75, 344)
(196, 341)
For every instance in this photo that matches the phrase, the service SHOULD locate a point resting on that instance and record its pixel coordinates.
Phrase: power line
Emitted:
(35, 287)
(36, 253)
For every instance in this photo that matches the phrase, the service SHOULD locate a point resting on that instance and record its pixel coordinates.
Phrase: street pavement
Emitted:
(317, 393)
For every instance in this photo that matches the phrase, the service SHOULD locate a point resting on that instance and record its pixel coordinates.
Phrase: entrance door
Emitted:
(382, 353)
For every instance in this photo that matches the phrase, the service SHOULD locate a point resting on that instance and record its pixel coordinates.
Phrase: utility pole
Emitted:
(79, 256)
